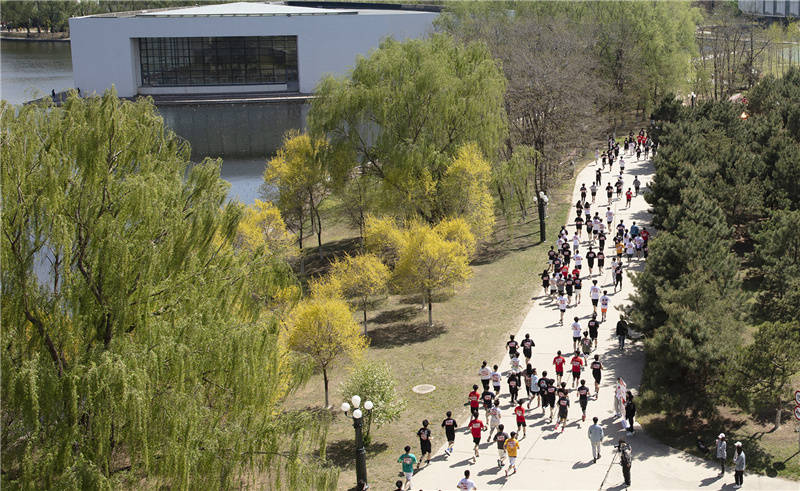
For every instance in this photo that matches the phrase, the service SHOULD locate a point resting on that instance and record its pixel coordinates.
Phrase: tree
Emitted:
(373, 381)
(465, 191)
(129, 338)
(361, 277)
(263, 227)
(299, 178)
(427, 262)
(324, 329)
(767, 366)
(404, 112)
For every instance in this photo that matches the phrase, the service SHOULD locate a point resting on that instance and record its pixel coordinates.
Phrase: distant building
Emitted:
(771, 8)
(233, 48)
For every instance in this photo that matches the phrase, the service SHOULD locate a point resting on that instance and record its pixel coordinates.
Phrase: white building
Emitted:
(232, 48)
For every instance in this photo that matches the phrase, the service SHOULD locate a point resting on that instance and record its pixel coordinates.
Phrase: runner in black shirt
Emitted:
(602, 239)
(501, 438)
(563, 408)
(545, 281)
(598, 175)
(487, 399)
(583, 192)
(579, 224)
(609, 192)
(596, 367)
(601, 260)
(583, 397)
(449, 425)
(511, 345)
(527, 344)
(424, 435)
(576, 282)
(513, 386)
(593, 325)
(590, 259)
(543, 390)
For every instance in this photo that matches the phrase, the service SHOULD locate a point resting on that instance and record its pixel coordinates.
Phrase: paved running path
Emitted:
(550, 460)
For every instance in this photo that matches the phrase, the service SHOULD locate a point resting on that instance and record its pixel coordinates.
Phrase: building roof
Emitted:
(243, 9)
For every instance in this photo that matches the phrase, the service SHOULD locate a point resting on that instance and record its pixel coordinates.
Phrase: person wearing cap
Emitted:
(738, 464)
(722, 451)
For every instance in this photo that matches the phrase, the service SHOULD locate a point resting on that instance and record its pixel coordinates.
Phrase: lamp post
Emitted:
(692, 96)
(358, 424)
(542, 202)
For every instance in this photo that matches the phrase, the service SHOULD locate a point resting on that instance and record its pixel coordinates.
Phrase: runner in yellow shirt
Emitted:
(512, 445)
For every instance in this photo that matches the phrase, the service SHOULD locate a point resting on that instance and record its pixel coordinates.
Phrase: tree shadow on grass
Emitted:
(404, 333)
(342, 453)
(403, 314)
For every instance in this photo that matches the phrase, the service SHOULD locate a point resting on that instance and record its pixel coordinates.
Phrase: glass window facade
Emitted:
(261, 60)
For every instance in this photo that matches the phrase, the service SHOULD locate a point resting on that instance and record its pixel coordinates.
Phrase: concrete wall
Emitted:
(771, 8)
(104, 50)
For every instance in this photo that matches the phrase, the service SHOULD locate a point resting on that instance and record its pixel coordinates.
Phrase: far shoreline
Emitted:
(5, 37)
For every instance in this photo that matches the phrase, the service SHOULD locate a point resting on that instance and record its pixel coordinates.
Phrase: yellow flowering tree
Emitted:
(465, 190)
(361, 277)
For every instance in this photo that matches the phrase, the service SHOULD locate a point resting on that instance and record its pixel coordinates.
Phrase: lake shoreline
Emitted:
(6, 37)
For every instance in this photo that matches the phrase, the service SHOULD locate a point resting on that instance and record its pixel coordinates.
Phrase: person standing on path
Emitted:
(408, 460)
(466, 484)
(738, 464)
(625, 460)
(630, 411)
(722, 452)
(619, 396)
(486, 375)
(449, 425)
(622, 331)
(596, 435)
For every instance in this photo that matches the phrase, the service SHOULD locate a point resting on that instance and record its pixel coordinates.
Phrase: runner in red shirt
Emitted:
(559, 361)
(645, 234)
(476, 426)
(577, 366)
(628, 196)
(474, 399)
(519, 412)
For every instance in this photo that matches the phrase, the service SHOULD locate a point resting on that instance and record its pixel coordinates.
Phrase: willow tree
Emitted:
(402, 114)
(131, 348)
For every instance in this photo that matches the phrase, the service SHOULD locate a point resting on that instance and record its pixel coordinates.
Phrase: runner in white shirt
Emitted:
(578, 259)
(594, 293)
(609, 216)
(486, 375)
(496, 378)
(593, 190)
(466, 484)
(576, 241)
(494, 418)
(604, 305)
(576, 334)
(562, 306)
(629, 250)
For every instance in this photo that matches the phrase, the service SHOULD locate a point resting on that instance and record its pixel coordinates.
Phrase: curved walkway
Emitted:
(550, 460)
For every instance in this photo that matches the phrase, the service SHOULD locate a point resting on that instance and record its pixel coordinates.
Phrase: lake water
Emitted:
(243, 135)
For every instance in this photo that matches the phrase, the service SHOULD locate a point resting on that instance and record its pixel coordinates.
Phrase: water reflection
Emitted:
(31, 69)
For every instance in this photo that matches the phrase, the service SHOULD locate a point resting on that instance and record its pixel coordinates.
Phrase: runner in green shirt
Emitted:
(408, 460)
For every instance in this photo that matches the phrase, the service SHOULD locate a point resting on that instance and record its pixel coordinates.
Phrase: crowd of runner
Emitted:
(575, 262)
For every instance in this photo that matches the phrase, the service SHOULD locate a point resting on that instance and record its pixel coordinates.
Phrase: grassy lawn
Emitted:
(483, 313)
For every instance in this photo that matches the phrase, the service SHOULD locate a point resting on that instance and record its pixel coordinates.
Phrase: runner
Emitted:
(601, 259)
(621, 165)
(569, 284)
(553, 290)
(628, 196)
(486, 375)
(496, 377)
(604, 157)
(526, 379)
(543, 384)
(601, 239)
(577, 284)
(594, 327)
(535, 390)
(551, 397)
(594, 294)
(636, 184)
(586, 347)
(576, 242)
(622, 332)
(583, 398)
(576, 334)
(578, 225)
(597, 368)
(562, 306)
(513, 386)
(500, 438)
(512, 346)
(551, 254)
(597, 177)
(424, 435)
(563, 409)
(619, 396)
(473, 399)
(604, 305)
(408, 460)
(578, 258)
(609, 192)
(527, 345)
(466, 484)
(487, 398)
(476, 426)
(618, 276)
(519, 413)
(516, 365)
(559, 362)
(630, 249)
(590, 257)
(577, 365)
(583, 192)
(449, 425)
(495, 415)
(609, 217)
(512, 445)
(593, 191)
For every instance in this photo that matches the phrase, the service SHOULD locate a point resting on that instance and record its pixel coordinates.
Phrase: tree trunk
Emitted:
(325, 381)
(300, 242)
(778, 413)
(430, 310)
(364, 305)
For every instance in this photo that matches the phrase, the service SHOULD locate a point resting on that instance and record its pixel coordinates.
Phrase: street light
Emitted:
(358, 423)
(692, 96)
(744, 116)
(542, 202)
